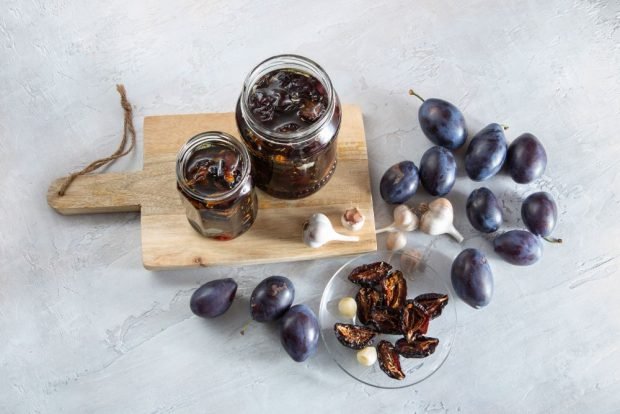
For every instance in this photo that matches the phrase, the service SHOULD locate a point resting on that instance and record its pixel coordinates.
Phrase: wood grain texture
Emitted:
(168, 241)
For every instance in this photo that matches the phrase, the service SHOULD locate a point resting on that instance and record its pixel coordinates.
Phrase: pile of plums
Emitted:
(525, 160)
(271, 301)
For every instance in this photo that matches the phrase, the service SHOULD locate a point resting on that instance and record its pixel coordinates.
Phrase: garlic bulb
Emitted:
(352, 219)
(318, 230)
(396, 241)
(404, 220)
(437, 219)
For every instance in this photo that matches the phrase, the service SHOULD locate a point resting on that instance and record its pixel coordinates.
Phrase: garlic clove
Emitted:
(352, 219)
(367, 356)
(347, 307)
(396, 241)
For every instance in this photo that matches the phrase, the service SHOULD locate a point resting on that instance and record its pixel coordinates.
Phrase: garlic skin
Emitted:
(347, 307)
(396, 241)
(437, 219)
(404, 220)
(367, 356)
(318, 230)
(410, 260)
(352, 219)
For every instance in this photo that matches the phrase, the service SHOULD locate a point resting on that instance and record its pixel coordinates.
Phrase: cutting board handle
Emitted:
(97, 193)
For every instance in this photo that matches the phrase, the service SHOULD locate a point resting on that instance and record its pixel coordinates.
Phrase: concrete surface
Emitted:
(85, 329)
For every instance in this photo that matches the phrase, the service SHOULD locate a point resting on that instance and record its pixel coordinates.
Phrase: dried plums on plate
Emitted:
(383, 309)
(354, 336)
(394, 290)
(389, 362)
(370, 274)
(414, 319)
(367, 299)
(433, 303)
(385, 320)
(421, 347)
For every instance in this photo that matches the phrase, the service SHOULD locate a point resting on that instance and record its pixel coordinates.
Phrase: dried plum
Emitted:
(283, 98)
(213, 169)
(385, 320)
(290, 127)
(433, 303)
(311, 111)
(421, 347)
(389, 361)
(395, 290)
(370, 274)
(367, 299)
(415, 320)
(353, 336)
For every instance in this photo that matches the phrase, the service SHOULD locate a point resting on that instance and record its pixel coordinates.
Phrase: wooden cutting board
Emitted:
(168, 240)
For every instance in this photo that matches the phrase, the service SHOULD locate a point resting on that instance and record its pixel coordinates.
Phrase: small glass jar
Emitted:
(289, 115)
(215, 183)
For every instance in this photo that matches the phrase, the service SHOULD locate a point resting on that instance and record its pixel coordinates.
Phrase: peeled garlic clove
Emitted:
(396, 241)
(367, 356)
(347, 307)
(353, 219)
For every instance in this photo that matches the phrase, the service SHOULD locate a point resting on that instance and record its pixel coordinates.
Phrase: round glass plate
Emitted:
(422, 279)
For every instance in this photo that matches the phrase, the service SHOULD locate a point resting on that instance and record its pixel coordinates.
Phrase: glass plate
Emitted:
(422, 279)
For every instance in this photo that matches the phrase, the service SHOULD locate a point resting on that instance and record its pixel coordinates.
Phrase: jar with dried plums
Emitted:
(214, 179)
(289, 116)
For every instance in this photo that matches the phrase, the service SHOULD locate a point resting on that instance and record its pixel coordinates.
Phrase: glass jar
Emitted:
(214, 180)
(289, 115)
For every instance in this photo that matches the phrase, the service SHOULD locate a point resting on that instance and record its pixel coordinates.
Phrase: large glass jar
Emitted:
(289, 115)
(215, 183)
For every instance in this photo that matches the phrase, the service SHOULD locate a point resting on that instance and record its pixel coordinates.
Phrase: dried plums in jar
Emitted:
(214, 179)
(289, 116)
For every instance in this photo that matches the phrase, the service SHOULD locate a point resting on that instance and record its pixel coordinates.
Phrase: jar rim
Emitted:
(188, 149)
(284, 61)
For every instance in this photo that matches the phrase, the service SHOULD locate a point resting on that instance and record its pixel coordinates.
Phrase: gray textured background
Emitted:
(84, 328)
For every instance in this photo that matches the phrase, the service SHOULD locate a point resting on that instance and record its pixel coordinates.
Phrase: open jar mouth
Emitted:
(200, 141)
(294, 63)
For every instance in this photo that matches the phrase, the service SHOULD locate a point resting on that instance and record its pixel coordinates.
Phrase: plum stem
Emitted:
(245, 326)
(553, 240)
(412, 93)
(504, 126)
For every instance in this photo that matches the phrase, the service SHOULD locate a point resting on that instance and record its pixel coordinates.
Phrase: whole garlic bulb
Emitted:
(437, 219)
(318, 230)
(404, 220)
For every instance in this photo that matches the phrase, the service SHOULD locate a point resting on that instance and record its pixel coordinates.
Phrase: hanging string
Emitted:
(129, 134)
